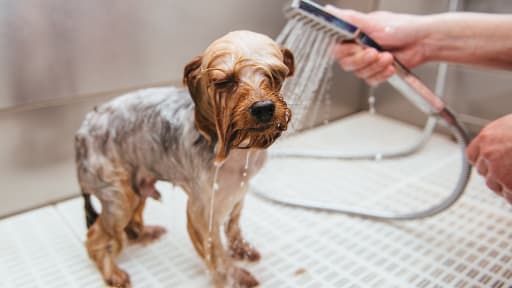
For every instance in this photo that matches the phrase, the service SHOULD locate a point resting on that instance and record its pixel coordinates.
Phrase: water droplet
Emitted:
(371, 104)
(215, 186)
(208, 248)
(247, 160)
(244, 174)
(242, 184)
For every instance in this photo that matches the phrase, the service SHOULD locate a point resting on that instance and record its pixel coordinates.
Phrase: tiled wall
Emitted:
(60, 49)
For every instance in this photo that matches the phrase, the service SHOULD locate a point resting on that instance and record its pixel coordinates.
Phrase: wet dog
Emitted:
(233, 107)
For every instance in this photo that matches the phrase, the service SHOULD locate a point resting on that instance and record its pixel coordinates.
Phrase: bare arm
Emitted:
(469, 38)
(466, 38)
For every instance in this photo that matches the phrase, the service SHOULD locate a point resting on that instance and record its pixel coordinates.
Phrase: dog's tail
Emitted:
(90, 214)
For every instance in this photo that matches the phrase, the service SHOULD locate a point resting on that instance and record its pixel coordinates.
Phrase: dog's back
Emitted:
(151, 130)
(150, 110)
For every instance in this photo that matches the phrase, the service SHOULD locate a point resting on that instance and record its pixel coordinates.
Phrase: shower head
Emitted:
(404, 80)
(345, 30)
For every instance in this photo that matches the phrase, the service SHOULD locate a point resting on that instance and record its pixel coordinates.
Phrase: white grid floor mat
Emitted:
(470, 245)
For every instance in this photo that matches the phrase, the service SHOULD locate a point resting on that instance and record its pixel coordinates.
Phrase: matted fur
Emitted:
(176, 135)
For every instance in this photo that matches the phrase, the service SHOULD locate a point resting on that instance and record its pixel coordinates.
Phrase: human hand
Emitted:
(491, 153)
(400, 34)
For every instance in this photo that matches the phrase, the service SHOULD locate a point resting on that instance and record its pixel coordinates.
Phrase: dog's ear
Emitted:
(191, 72)
(203, 107)
(288, 60)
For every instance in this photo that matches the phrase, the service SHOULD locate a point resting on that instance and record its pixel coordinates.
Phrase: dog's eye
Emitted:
(225, 83)
(276, 81)
(277, 84)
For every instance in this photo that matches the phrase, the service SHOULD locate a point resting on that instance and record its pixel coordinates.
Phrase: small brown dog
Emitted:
(233, 106)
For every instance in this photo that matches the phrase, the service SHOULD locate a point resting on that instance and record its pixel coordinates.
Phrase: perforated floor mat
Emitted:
(470, 245)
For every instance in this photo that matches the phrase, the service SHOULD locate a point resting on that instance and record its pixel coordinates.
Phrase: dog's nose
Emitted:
(263, 111)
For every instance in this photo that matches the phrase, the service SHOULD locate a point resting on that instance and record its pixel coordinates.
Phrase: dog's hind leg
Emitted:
(239, 248)
(137, 232)
(106, 237)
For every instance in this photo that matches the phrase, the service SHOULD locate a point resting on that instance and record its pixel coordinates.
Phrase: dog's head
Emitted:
(235, 85)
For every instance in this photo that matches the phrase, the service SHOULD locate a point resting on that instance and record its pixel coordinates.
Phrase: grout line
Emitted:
(80, 98)
(32, 208)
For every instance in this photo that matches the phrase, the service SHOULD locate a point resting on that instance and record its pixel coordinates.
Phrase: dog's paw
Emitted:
(119, 278)
(241, 278)
(244, 251)
(148, 235)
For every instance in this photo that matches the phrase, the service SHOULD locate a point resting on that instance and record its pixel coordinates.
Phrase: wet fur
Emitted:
(176, 135)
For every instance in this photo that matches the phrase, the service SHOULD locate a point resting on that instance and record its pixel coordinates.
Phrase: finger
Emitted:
(379, 66)
(359, 60)
(482, 166)
(342, 50)
(494, 185)
(381, 77)
(473, 151)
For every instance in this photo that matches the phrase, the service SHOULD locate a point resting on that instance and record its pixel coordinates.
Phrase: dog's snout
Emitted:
(263, 111)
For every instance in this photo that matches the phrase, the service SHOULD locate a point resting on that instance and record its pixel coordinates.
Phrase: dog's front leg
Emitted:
(208, 245)
(239, 248)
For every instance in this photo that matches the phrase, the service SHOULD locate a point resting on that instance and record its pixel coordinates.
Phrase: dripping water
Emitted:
(246, 167)
(215, 188)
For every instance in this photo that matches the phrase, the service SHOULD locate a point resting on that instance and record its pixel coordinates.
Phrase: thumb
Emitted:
(354, 17)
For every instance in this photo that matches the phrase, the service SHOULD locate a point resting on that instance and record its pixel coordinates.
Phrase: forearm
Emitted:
(469, 38)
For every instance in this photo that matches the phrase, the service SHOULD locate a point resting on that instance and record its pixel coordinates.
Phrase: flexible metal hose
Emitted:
(446, 118)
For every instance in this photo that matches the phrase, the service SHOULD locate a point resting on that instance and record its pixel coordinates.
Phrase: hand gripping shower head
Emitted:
(404, 80)
(314, 17)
